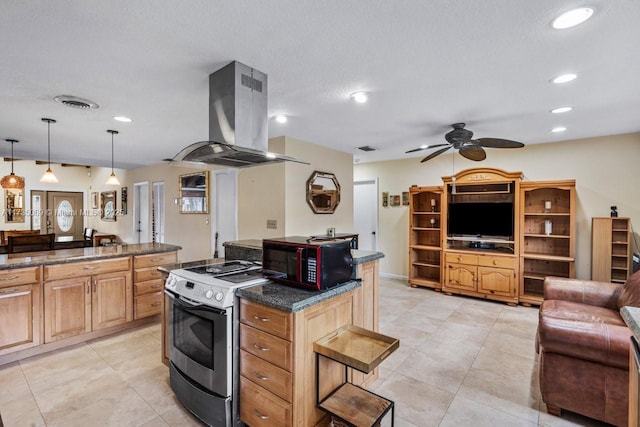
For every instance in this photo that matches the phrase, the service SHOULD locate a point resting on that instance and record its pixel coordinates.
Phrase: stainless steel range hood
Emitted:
(237, 121)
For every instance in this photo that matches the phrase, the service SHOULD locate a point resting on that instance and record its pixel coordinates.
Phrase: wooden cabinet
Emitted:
(80, 303)
(425, 237)
(19, 309)
(148, 283)
(280, 390)
(634, 382)
(365, 311)
(484, 275)
(547, 238)
(610, 249)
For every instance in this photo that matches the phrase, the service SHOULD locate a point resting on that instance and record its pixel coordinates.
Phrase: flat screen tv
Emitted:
(481, 219)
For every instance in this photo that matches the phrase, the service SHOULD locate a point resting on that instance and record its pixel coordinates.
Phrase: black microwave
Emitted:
(307, 262)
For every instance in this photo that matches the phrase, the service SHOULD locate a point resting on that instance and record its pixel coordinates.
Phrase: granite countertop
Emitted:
(631, 316)
(249, 243)
(290, 299)
(61, 256)
(361, 257)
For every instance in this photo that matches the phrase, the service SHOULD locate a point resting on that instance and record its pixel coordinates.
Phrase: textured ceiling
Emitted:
(426, 64)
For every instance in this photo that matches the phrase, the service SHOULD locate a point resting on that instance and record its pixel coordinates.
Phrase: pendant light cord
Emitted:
(49, 143)
(112, 153)
(11, 157)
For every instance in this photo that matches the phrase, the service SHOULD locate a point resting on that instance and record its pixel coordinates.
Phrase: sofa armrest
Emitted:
(602, 294)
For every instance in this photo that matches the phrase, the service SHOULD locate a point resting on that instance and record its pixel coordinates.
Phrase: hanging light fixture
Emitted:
(113, 180)
(48, 174)
(12, 181)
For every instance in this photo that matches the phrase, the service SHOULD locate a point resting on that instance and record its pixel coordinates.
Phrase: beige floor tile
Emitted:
(155, 422)
(126, 408)
(516, 345)
(465, 412)
(181, 417)
(415, 401)
(13, 384)
(445, 373)
(153, 386)
(513, 397)
(408, 336)
(515, 367)
(132, 347)
(22, 411)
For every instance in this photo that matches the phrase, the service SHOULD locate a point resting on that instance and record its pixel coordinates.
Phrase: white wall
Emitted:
(606, 171)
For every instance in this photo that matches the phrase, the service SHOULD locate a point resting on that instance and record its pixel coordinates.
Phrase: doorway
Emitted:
(58, 212)
(225, 209)
(157, 212)
(365, 213)
(141, 212)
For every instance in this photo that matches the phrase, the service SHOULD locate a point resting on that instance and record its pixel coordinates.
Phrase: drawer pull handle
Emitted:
(259, 415)
(4, 279)
(261, 319)
(155, 304)
(156, 259)
(88, 267)
(259, 376)
(259, 347)
(156, 286)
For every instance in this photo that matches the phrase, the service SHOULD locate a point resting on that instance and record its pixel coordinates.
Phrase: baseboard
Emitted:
(393, 276)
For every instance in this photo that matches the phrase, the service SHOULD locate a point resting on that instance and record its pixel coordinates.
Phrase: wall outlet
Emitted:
(272, 224)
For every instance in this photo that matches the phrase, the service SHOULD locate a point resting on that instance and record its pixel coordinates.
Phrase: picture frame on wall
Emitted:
(405, 198)
(395, 200)
(385, 199)
(123, 198)
(108, 206)
(94, 200)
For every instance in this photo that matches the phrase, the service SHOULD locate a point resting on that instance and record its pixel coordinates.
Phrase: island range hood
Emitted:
(237, 121)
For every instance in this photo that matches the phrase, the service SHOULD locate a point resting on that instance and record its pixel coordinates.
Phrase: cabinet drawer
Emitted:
(149, 273)
(461, 258)
(75, 269)
(500, 262)
(19, 276)
(141, 261)
(148, 287)
(266, 375)
(266, 346)
(266, 319)
(147, 305)
(259, 408)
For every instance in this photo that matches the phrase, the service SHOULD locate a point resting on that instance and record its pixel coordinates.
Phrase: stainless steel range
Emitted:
(204, 337)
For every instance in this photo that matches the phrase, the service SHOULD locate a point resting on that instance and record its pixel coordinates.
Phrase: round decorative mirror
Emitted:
(323, 192)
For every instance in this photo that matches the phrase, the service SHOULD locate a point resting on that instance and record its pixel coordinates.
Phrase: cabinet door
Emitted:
(497, 281)
(112, 299)
(67, 308)
(19, 317)
(461, 276)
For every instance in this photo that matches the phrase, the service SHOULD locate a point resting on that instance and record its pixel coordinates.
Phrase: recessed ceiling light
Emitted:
(280, 118)
(360, 97)
(572, 18)
(564, 78)
(122, 119)
(558, 129)
(561, 110)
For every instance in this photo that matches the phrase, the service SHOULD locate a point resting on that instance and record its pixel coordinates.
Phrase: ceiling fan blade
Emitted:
(473, 152)
(499, 143)
(434, 154)
(425, 148)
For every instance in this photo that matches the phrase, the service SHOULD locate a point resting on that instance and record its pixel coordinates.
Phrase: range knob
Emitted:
(171, 282)
(208, 294)
(219, 296)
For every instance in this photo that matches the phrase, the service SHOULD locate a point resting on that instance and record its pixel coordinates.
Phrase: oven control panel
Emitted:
(195, 291)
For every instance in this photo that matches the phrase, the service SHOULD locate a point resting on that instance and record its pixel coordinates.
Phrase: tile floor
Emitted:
(461, 362)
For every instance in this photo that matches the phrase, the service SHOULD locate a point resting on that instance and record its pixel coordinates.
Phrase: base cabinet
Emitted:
(148, 283)
(634, 381)
(485, 275)
(19, 309)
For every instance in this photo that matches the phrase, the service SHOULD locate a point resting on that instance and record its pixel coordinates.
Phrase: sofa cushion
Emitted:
(574, 311)
(589, 333)
(630, 294)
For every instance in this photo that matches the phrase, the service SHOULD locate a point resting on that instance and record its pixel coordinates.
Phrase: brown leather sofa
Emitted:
(583, 344)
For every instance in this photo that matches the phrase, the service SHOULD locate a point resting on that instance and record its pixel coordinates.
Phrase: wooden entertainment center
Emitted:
(539, 221)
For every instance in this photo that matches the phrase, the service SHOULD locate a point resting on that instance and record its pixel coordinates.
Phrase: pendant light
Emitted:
(48, 176)
(12, 181)
(113, 180)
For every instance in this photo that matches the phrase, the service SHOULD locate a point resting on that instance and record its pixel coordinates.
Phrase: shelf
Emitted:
(426, 281)
(534, 276)
(547, 236)
(425, 229)
(425, 248)
(425, 264)
(547, 214)
(479, 239)
(356, 347)
(426, 213)
(356, 405)
(547, 257)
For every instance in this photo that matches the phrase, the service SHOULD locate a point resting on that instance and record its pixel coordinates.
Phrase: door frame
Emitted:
(374, 208)
(215, 204)
(136, 203)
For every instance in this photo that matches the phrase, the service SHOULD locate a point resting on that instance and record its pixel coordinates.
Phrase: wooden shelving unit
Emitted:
(425, 237)
(610, 249)
(547, 246)
(363, 350)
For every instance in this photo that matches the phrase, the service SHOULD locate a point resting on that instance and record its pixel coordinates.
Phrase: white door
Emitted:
(158, 212)
(225, 209)
(365, 213)
(141, 228)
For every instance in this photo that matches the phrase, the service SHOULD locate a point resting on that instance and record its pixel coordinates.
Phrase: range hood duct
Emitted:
(237, 121)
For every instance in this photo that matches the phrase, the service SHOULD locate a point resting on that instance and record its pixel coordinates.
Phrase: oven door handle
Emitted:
(177, 300)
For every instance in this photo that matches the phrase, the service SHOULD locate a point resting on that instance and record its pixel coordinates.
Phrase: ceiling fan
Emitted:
(460, 139)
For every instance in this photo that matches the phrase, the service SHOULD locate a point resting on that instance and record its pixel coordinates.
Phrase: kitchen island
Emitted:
(51, 299)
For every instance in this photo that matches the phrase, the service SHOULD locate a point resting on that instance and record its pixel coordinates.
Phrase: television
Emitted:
(481, 219)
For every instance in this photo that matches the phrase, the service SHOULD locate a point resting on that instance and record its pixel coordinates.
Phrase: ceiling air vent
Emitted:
(75, 102)
(366, 148)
